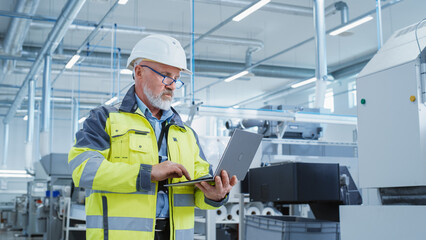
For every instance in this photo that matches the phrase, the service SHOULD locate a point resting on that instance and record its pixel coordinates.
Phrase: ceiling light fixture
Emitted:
(126, 71)
(250, 10)
(122, 2)
(303, 83)
(238, 75)
(82, 119)
(72, 61)
(351, 25)
(109, 102)
(14, 175)
(13, 171)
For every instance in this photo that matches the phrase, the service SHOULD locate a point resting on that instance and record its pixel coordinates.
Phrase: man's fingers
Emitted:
(225, 179)
(234, 180)
(185, 172)
(180, 171)
(207, 186)
(218, 183)
(198, 185)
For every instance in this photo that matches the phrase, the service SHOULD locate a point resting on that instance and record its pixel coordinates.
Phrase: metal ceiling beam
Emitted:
(273, 7)
(68, 14)
(276, 7)
(223, 23)
(337, 72)
(89, 26)
(88, 39)
(209, 66)
(391, 3)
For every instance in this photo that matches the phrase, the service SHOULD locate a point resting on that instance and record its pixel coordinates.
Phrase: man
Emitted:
(123, 156)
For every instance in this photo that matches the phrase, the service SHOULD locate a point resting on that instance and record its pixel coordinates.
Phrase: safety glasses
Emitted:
(166, 80)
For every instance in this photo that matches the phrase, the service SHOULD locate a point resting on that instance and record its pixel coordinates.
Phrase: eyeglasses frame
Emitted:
(176, 81)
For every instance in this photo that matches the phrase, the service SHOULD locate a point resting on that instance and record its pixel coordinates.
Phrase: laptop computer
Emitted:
(236, 158)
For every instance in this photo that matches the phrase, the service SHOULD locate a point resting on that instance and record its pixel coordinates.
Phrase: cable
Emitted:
(417, 38)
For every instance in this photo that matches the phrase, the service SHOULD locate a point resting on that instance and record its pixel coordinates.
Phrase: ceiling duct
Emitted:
(68, 14)
(16, 33)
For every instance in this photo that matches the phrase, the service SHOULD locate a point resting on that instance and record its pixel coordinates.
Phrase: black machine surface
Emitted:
(323, 186)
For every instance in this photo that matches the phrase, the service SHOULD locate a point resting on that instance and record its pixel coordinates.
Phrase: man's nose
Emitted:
(172, 86)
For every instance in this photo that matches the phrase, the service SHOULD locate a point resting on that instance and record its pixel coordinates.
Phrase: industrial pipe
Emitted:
(320, 57)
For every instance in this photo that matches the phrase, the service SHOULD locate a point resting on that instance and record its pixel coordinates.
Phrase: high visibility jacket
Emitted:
(112, 159)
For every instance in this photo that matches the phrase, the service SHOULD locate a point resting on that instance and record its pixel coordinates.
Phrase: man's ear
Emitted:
(137, 72)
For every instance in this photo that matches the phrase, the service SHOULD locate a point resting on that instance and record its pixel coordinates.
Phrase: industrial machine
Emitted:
(36, 220)
(391, 142)
(280, 129)
(324, 186)
(58, 200)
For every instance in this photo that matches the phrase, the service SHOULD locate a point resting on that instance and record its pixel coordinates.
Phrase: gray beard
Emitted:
(156, 101)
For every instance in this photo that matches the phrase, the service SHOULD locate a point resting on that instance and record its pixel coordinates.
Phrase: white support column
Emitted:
(30, 127)
(321, 56)
(45, 117)
(75, 118)
(5, 144)
(210, 225)
(379, 24)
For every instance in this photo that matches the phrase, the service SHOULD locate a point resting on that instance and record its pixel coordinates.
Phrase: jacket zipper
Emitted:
(105, 216)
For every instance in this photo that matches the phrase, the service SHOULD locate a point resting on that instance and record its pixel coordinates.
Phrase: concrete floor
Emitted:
(15, 235)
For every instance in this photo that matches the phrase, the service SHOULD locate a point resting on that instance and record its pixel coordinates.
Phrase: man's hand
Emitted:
(222, 186)
(168, 169)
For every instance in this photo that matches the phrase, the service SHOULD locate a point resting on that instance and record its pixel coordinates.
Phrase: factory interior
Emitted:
(336, 90)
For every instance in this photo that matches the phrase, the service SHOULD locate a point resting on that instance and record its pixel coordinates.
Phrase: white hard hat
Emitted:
(159, 48)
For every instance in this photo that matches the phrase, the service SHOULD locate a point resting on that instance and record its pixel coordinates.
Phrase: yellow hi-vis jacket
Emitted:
(112, 159)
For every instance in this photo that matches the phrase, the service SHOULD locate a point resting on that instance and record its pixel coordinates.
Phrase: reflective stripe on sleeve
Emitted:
(121, 223)
(152, 192)
(183, 200)
(90, 171)
(184, 234)
(77, 161)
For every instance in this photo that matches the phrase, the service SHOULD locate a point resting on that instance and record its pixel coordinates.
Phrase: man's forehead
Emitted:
(161, 67)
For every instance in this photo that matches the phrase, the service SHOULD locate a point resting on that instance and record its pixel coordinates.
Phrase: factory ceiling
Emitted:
(278, 39)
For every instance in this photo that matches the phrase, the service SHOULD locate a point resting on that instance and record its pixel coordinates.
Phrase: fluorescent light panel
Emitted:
(111, 101)
(351, 25)
(122, 2)
(250, 10)
(14, 175)
(72, 61)
(238, 75)
(303, 83)
(125, 71)
(13, 171)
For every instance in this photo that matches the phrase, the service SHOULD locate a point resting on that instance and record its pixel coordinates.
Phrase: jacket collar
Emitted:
(130, 105)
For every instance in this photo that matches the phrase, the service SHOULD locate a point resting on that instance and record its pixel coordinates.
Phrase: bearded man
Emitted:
(125, 154)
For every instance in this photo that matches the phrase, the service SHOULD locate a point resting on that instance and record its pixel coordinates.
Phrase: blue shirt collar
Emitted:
(166, 115)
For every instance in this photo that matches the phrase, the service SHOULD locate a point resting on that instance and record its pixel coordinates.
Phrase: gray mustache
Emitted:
(170, 92)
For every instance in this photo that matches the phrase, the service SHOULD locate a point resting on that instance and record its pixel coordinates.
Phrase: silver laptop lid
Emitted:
(239, 154)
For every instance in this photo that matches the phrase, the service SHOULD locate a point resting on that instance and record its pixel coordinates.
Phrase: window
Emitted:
(352, 94)
(328, 100)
